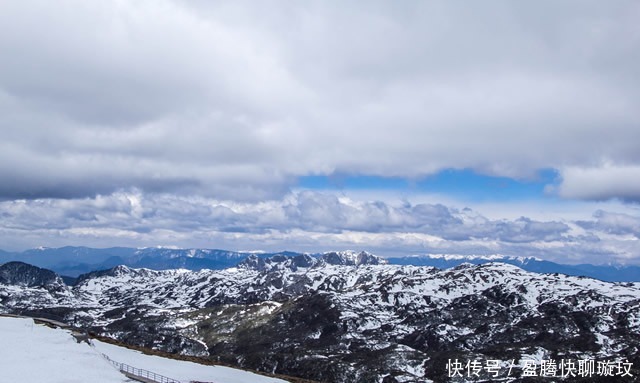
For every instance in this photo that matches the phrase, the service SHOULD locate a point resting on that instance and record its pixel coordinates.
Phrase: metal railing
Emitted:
(138, 372)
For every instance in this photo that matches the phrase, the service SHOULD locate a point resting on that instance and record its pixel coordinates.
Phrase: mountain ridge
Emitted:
(74, 261)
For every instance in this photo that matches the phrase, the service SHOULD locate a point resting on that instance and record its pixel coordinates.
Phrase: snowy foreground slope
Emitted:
(180, 370)
(33, 353)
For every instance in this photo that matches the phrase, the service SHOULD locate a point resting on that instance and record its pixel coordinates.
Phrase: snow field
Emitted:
(180, 370)
(33, 353)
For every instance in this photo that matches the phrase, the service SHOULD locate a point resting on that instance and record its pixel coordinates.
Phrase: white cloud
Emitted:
(187, 122)
(616, 224)
(311, 221)
(601, 182)
(236, 100)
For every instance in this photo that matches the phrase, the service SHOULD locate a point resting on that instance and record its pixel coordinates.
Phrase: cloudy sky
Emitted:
(395, 127)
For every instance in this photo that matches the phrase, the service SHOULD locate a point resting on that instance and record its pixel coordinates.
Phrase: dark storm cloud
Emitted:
(234, 100)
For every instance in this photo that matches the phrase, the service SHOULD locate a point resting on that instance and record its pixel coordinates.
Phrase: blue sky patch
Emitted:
(461, 183)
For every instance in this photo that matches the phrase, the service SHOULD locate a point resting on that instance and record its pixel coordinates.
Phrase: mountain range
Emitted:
(348, 317)
(73, 261)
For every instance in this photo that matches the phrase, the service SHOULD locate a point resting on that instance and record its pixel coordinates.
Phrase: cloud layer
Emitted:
(234, 101)
(312, 221)
(190, 122)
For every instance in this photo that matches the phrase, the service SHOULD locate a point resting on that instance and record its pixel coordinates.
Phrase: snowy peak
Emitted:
(601, 272)
(278, 262)
(473, 257)
(293, 261)
(120, 271)
(352, 258)
(117, 271)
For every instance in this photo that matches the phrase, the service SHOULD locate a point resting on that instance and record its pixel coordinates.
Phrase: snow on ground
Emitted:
(180, 370)
(32, 353)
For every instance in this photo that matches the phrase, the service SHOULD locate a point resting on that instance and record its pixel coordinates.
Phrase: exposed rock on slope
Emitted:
(22, 274)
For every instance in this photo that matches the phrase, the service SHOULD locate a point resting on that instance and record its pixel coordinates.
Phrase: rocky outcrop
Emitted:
(22, 274)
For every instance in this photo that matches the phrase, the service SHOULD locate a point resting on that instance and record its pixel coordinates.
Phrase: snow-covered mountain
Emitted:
(295, 261)
(351, 317)
(610, 273)
(23, 274)
(73, 261)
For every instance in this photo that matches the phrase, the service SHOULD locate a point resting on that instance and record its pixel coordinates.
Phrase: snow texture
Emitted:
(180, 370)
(33, 353)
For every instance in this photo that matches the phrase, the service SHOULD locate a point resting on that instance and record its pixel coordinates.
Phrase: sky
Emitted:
(399, 128)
